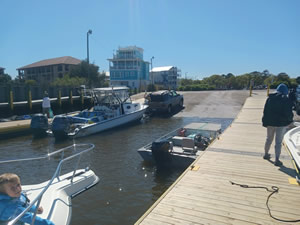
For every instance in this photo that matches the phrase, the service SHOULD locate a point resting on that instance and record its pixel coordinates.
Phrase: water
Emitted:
(127, 187)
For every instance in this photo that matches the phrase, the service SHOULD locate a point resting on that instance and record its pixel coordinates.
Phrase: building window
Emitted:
(66, 67)
(59, 68)
(60, 75)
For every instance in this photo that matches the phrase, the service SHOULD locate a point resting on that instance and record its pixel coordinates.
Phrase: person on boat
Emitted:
(277, 115)
(13, 202)
(46, 104)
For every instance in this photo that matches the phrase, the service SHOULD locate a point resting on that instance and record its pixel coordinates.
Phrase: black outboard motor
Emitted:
(201, 142)
(39, 125)
(161, 152)
(60, 127)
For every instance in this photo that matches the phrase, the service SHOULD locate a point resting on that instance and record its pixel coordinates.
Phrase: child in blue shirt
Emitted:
(13, 201)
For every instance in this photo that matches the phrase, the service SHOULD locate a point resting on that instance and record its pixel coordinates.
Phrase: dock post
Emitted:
(59, 98)
(82, 98)
(29, 100)
(71, 98)
(11, 101)
(251, 87)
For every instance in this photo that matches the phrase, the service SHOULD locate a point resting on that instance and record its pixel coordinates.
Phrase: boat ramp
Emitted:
(208, 191)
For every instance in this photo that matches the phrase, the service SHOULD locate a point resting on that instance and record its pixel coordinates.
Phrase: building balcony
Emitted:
(124, 68)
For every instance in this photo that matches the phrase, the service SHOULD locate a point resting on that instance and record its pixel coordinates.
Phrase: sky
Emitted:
(200, 37)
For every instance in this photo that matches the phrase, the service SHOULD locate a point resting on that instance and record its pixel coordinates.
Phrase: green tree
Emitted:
(30, 82)
(216, 80)
(5, 78)
(184, 82)
(281, 78)
(90, 72)
(67, 81)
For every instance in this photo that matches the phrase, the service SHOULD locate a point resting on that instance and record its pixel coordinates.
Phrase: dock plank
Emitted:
(206, 196)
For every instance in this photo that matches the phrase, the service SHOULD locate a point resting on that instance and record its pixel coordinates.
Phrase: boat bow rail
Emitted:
(59, 188)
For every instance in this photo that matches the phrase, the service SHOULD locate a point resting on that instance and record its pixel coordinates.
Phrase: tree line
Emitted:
(257, 80)
(89, 75)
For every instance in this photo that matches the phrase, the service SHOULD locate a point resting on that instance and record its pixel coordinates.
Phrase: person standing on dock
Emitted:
(46, 104)
(278, 114)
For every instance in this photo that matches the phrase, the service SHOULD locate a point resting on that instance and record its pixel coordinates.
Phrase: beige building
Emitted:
(165, 77)
(48, 70)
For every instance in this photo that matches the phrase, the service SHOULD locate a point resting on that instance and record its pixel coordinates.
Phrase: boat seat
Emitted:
(177, 140)
(188, 144)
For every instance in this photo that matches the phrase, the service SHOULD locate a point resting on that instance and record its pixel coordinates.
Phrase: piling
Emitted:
(29, 100)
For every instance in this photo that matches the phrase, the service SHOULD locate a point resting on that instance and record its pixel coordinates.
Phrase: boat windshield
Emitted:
(111, 95)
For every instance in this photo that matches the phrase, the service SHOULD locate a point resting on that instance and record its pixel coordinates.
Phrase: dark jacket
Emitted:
(277, 111)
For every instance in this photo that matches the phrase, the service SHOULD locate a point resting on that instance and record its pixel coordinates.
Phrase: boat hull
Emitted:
(56, 201)
(292, 142)
(182, 146)
(108, 124)
(176, 160)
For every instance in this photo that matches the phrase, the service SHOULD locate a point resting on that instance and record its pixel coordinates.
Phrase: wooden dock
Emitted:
(14, 128)
(204, 194)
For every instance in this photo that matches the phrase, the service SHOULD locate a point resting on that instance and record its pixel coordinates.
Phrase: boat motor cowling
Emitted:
(60, 127)
(39, 125)
(161, 151)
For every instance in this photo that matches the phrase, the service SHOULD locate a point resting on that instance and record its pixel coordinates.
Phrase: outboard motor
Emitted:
(201, 142)
(60, 127)
(39, 125)
(161, 152)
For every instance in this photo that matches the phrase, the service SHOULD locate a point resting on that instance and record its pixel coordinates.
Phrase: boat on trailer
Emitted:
(55, 194)
(182, 146)
(113, 107)
(291, 140)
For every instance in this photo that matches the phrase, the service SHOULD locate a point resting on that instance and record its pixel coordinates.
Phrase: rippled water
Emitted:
(127, 186)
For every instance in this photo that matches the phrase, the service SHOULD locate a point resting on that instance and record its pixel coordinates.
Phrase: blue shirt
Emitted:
(10, 208)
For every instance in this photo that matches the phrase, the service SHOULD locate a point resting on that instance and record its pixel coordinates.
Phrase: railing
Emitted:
(56, 175)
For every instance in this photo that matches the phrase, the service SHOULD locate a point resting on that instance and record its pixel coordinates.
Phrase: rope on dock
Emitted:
(273, 191)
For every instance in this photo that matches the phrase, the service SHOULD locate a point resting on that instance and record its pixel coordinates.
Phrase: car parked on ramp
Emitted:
(164, 101)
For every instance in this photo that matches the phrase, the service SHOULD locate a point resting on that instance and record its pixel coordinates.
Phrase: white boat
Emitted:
(182, 146)
(55, 194)
(292, 142)
(113, 107)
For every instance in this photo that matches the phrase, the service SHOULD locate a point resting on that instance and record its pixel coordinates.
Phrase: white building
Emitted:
(165, 77)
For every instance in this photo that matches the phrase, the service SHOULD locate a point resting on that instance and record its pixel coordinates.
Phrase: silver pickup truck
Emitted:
(164, 101)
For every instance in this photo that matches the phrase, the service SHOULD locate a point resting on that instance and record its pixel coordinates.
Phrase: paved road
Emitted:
(217, 104)
(210, 104)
